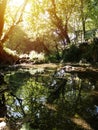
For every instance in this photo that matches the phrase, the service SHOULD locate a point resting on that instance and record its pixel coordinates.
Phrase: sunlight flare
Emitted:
(16, 2)
(28, 7)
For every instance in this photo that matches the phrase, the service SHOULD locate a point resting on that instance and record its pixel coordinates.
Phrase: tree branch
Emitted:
(20, 103)
(14, 23)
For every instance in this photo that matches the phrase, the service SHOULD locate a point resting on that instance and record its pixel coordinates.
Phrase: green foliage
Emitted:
(91, 53)
(54, 57)
(45, 26)
(72, 54)
(17, 79)
(87, 51)
(18, 40)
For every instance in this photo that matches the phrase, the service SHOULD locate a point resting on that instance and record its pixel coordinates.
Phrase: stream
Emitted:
(50, 97)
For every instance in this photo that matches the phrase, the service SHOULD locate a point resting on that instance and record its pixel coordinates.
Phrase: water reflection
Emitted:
(51, 100)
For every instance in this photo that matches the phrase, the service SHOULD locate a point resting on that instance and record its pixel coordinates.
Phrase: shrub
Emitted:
(37, 57)
(72, 54)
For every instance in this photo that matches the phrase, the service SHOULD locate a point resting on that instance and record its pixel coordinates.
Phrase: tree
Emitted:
(87, 16)
(4, 56)
(3, 4)
(15, 20)
(61, 24)
(92, 7)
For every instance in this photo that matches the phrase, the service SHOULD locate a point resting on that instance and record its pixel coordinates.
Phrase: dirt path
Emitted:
(48, 65)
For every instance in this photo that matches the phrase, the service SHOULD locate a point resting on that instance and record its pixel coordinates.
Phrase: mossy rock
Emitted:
(7, 58)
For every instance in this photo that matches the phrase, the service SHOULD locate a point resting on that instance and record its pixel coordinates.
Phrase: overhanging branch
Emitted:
(5, 37)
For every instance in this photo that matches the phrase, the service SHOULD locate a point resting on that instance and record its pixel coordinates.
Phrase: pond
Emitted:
(43, 98)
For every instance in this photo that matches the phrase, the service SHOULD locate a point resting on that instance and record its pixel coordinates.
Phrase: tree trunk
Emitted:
(3, 4)
(66, 31)
(2, 12)
(59, 24)
(83, 18)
